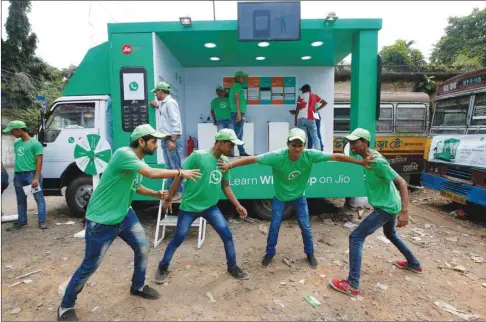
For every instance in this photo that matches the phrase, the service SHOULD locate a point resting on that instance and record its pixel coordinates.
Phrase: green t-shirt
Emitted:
(237, 88)
(204, 193)
(382, 192)
(25, 154)
(290, 177)
(112, 198)
(221, 108)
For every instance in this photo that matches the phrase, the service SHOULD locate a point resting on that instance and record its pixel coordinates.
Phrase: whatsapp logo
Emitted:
(215, 177)
(133, 86)
(222, 105)
(294, 174)
(71, 140)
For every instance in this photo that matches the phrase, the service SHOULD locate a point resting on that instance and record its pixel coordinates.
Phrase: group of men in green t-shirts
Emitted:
(229, 112)
(109, 213)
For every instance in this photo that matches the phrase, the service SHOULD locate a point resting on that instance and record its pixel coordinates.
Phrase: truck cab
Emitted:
(68, 119)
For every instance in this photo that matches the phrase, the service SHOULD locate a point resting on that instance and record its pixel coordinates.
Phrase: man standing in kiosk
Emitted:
(238, 102)
(109, 215)
(170, 125)
(220, 110)
(291, 168)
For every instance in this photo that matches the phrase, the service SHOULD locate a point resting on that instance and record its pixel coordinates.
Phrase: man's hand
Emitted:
(171, 145)
(154, 104)
(239, 117)
(402, 218)
(191, 174)
(35, 183)
(242, 211)
(167, 204)
(224, 166)
(162, 195)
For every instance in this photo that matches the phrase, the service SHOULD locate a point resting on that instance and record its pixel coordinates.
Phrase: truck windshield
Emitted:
(69, 116)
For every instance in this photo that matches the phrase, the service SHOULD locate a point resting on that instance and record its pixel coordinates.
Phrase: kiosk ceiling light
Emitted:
(317, 43)
(331, 17)
(263, 44)
(214, 58)
(260, 58)
(209, 45)
(185, 21)
(306, 57)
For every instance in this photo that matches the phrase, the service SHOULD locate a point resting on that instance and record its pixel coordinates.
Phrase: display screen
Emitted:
(258, 21)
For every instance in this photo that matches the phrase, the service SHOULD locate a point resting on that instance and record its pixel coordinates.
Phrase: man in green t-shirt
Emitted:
(28, 168)
(200, 199)
(237, 99)
(109, 215)
(220, 110)
(291, 168)
(391, 206)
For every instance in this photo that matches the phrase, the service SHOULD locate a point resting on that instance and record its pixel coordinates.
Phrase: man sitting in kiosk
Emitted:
(291, 168)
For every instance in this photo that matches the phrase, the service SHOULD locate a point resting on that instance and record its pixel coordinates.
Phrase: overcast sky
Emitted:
(67, 29)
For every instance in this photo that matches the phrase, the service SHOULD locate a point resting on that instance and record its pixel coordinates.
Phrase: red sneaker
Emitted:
(343, 287)
(404, 265)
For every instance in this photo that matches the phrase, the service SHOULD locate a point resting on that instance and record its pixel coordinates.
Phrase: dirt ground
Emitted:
(440, 241)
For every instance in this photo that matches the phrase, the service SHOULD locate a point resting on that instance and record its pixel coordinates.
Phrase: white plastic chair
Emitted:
(171, 221)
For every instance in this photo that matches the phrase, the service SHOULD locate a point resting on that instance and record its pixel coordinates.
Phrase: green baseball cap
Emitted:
(143, 130)
(359, 133)
(240, 73)
(297, 134)
(14, 125)
(220, 88)
(228, 135)
(161, 85)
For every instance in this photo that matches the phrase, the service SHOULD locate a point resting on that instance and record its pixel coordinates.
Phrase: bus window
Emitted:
(342, 118)
(479, 111)
(385, 122)
(411, 118)
(451, 112)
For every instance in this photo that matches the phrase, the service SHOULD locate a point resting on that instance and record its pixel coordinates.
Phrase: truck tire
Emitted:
(78, 193)
(262, 208)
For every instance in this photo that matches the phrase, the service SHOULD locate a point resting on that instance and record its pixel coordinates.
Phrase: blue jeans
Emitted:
(98, 239)
(4, 179)
(172, 159)
(377, 219)
(238, 127)
(215, 218)
(318, 127)
(22, 179)
(224, 124)
(309, 126)
(278, 208)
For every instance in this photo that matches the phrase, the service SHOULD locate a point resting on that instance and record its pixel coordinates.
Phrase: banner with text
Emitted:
(466, 150)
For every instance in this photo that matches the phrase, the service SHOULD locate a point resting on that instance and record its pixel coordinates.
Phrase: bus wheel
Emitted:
(262, 208)
(78, 194)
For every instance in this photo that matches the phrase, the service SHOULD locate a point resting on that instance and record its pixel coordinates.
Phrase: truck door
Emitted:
(66, 123)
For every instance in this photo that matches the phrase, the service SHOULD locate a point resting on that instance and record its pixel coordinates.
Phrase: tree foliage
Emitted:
(401, 53)
(23, 73)
(464, 41)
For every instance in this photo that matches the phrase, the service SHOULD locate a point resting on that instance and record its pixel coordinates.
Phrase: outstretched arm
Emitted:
(344, 158)
(153, 173)
(237, 163)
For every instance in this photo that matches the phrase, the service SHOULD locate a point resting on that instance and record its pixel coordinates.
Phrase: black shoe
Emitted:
(161, 275)
(267, 260)
(238, 273)
(67, 316)
(312, 261)
(244, 154)
(147, 293)
(43, 226)
(16, 226)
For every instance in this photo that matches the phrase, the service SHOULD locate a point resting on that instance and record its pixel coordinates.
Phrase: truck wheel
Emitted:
(78, 193)
(262, 208)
